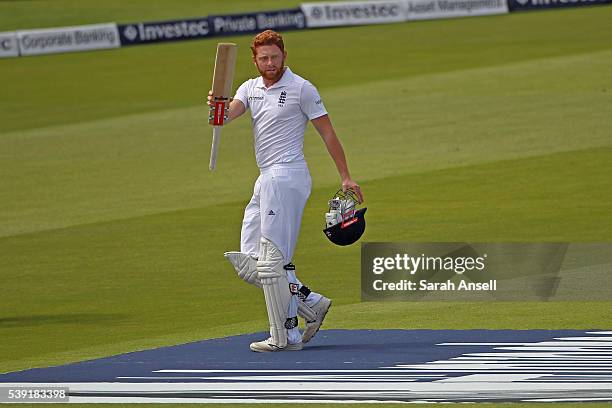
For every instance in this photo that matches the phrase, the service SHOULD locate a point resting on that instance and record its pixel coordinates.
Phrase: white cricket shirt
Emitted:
(279, 116)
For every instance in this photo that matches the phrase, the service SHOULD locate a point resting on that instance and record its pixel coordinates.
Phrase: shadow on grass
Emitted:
(53, 319)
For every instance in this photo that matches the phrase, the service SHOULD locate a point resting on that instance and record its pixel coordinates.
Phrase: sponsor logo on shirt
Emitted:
(256, 98)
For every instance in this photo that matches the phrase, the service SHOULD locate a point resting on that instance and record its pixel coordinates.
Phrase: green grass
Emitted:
(85, 86)
(112, 229)
(480, 405)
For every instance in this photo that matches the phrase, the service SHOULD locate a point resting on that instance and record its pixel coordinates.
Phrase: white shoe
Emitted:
(267, 346)
(321, 309)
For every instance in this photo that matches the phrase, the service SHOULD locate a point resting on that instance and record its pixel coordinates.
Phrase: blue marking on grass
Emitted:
(372, 365)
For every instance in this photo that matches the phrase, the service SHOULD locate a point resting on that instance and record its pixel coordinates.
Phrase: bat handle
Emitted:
(215, 147)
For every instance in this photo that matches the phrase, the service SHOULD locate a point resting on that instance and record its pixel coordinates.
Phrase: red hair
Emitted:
(267, 37)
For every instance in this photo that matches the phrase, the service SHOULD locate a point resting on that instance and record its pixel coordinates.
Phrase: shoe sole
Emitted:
(290, 347)
(322, 320)
(293, 347)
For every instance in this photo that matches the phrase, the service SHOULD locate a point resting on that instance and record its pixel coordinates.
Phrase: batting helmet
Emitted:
(344, 223)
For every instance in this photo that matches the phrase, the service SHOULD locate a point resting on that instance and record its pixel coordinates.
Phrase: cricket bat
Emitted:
(225, 63)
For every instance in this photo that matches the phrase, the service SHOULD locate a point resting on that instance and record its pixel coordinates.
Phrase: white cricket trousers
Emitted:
(275, 212)
(276, 208)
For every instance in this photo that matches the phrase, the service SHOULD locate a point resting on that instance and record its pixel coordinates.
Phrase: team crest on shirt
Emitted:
(282, 99)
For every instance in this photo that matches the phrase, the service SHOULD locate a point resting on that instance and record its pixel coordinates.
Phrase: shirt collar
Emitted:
(284, 81)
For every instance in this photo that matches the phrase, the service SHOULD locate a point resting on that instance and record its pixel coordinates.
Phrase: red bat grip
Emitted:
(219, 113)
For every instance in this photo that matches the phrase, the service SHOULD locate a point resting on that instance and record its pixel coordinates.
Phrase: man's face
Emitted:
(270, 61)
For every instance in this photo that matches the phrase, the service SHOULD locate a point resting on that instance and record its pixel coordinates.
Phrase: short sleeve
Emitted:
(242, 94)
(310, 102)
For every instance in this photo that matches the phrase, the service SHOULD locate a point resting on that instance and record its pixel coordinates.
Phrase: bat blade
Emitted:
(223, 76)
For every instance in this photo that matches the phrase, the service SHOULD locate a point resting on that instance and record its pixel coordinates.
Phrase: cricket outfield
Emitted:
(112, 229)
